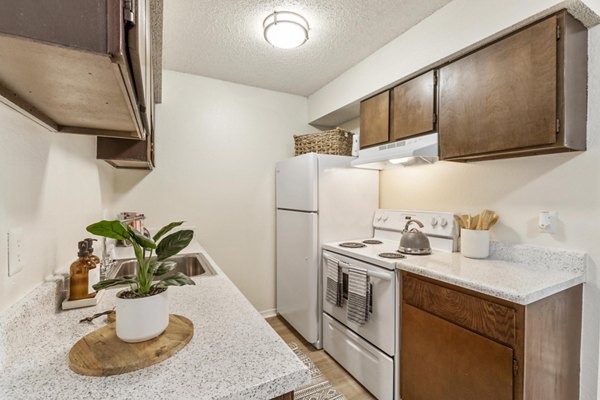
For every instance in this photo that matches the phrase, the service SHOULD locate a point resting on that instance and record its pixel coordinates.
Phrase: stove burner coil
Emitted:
(392, 255)
(372, 241)
(352, 245)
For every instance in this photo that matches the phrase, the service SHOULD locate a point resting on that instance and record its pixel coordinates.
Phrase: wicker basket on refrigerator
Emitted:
(337, 142)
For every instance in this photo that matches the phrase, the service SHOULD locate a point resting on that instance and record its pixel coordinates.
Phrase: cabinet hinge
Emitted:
(515, 367)
(557, 125)
(129, 11)
(434, 118)
(557, 32)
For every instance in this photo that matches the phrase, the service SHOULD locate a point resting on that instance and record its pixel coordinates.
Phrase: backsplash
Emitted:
(548, 257)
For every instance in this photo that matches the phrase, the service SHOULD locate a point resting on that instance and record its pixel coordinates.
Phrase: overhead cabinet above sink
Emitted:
(78, 66)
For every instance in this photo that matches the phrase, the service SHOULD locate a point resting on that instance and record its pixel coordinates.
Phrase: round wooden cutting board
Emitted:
(102, 353)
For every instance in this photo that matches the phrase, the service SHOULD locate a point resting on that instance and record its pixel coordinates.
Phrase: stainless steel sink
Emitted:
(192, 265)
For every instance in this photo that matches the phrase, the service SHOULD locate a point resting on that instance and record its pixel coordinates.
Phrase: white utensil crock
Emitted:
(142, 319)
(474, 243)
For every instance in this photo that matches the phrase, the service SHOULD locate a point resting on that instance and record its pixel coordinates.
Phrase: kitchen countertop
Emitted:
(521, 274)
(234, 353)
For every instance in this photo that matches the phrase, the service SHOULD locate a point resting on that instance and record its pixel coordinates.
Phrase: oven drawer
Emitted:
(380, 329)
(368, 365)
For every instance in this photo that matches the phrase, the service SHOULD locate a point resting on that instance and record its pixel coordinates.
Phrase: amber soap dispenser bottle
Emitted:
(79, 281)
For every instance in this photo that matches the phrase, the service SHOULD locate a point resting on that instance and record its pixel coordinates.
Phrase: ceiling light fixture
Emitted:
(285, 29)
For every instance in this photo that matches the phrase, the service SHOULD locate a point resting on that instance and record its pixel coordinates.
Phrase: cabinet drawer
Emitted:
(493, 320)
(371, 367)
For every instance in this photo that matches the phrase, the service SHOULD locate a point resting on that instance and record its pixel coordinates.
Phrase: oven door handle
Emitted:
(374, 274)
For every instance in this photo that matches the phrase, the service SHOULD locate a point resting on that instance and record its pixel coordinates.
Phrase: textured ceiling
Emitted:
(224, 39)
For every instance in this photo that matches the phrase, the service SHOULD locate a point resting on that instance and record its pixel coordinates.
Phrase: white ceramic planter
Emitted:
(474, 243)
(142, 319)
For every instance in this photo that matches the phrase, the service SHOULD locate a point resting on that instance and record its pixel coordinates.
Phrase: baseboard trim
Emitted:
(269, 313)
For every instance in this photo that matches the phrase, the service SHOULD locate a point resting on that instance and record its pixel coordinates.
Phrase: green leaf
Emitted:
(166, 229)
(109, 229)
(173, 244)
(139, 254)
(113, 282)
(141, 239)
(152, 267)
(177, 279)
(164, 267)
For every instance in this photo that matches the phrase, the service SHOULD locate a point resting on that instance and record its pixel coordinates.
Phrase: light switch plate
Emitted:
(15, 251)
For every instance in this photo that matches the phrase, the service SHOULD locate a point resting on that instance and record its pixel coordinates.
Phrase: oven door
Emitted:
(379, 330)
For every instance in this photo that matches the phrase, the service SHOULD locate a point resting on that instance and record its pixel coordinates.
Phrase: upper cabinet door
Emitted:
(413, 107)
(501, 97)
(375, 120)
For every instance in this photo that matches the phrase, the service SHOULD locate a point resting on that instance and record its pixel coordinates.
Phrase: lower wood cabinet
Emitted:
(442, 360)
(457, 344)
(287, 396)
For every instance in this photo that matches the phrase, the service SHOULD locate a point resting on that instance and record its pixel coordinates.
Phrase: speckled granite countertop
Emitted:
(233, 355)
(521, 274)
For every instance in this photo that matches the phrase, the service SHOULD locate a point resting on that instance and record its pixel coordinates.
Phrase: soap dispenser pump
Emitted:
(79, 280)
(90, 248)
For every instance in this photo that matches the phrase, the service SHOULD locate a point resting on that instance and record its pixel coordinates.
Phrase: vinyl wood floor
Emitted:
(337, 375)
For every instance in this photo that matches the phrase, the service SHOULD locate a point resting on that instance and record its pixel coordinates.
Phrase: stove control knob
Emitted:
(385, 218)
(434, 222)
(443, 222)
(379, 218)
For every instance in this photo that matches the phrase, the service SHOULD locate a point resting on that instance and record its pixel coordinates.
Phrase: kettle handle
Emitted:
(416, 221)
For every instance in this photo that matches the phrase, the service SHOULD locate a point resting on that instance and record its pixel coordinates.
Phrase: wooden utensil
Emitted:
(482, 219)
(464, 221)
(474, 222)
(459, 221)
(485, 219)
(493, 221)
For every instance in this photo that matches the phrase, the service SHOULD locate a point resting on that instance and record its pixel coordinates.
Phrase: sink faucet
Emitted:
(106, 262)
(139, 217)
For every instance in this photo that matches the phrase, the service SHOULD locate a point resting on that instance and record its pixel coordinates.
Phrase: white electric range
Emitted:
(371, 351)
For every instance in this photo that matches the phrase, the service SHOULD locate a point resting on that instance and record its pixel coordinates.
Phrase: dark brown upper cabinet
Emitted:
(375, 120)
(78, 66)
(524, 94)
(126, 153)
(413, 107)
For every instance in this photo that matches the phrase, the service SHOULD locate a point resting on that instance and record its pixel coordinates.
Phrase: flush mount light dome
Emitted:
(285, 29)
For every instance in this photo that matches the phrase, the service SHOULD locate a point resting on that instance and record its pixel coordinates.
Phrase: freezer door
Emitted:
(298, 272)
(296, 181)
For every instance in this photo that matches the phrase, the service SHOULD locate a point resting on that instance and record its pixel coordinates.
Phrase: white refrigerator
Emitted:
(320, 198)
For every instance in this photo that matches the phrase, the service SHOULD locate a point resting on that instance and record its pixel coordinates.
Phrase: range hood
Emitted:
(423, 148)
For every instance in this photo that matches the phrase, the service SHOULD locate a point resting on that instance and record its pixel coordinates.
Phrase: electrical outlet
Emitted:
(15, 251)
(548, 221)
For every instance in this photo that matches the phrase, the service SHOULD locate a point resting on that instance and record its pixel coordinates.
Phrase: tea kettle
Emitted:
(414, 241)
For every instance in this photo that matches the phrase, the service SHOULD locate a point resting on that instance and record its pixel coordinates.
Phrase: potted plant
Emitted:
(143, 309)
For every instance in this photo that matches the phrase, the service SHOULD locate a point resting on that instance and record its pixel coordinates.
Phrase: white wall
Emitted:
(517, 189)
(456, 27)
(216, 148)
(51, 186)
